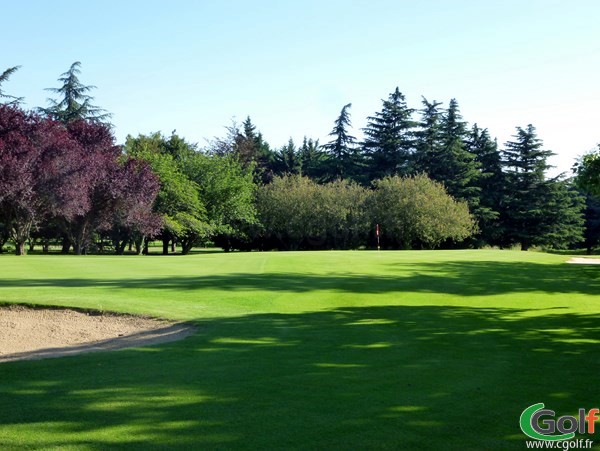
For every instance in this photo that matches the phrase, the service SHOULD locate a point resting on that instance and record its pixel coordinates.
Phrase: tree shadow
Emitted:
(396, 377)
(451, 277)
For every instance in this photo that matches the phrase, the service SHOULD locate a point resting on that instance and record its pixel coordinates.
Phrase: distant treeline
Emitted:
(424, 177)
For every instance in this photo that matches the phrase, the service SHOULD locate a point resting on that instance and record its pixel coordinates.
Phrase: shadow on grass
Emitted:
(454, 277)
(354, 378)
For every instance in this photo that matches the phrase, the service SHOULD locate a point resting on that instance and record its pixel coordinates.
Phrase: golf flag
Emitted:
(377, 229)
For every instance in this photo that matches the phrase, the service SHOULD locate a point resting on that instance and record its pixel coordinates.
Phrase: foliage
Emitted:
(4, 76)
(70, 175)
(389, 138)
(341, 151)
(592, 223)
(417, 211)
(227, 190)
(178, 200)
(74, 102)
(288, 160)
(491, 183)
(587, 171)
(537, 210)
(298, 213)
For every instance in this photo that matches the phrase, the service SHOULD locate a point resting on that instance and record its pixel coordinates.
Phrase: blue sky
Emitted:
(194, 65)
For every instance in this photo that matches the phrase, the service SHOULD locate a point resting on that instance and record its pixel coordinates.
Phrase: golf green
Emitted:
(309, 350)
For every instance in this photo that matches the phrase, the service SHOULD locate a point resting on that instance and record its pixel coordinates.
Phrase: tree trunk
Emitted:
(173, 246)
(66, 245)
(20, 248)
(524, 246)
(145, 251)
(186, 247)
(130, 246)
(120, 247)
(46, 246)
(165, 246)
(139, 245)
(31, 245)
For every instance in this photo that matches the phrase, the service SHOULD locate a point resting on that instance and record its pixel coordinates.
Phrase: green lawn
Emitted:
(317, 350)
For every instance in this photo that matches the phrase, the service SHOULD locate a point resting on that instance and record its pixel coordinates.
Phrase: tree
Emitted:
(592, 223)
(429, 144)
(20, 202)
(538, 211)
(298, 213)
(97, 153)
(491, 184)
(4, 76)
(131, 190)
(227, 190)
(587, 171)
(443, 155)
(389, 138)
(311, 158)
(287, 160)
(417, 212)
(74, 101)
(253, 151)
(457, 169)
(563, 220)
(341, 151)
(52, 173)
(178, 200)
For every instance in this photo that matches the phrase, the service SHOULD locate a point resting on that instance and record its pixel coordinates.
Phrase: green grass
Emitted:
(322, 350)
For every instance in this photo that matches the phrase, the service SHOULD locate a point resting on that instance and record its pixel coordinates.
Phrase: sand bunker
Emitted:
(32, 333)
(585, 261)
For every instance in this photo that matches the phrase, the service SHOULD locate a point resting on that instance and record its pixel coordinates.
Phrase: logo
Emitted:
(540, 423)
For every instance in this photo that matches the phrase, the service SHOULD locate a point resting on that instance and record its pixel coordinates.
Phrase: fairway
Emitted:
(309, 350)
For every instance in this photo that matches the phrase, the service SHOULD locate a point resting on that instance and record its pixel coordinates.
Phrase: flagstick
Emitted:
(377, 233)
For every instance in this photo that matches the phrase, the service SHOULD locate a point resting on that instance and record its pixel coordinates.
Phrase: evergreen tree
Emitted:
(74, 101)
(538, 211)
(341, 150)
(592, 223)
(458, 169)
(525, 165)
(253, 150)
(4, 76)
(389, 142)
(490, 182)
(311, 158)
(429, 139)
(287, 160)
(563, 220)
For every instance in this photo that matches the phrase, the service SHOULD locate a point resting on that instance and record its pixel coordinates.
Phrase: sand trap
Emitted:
(585, 261)
(32, 333)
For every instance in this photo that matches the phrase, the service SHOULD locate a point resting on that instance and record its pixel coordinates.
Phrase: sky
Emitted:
(194, 66)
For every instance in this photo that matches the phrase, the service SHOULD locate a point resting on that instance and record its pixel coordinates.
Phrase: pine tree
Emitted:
(311, 158)
(538, 211)
(592, 223)
(459, 171)
(74, 101)
(490, 182)
(4, 76)
(442, 152)
(429, 139)
(341, 151)
(253, 150)
(287, 160)
(389, 142)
